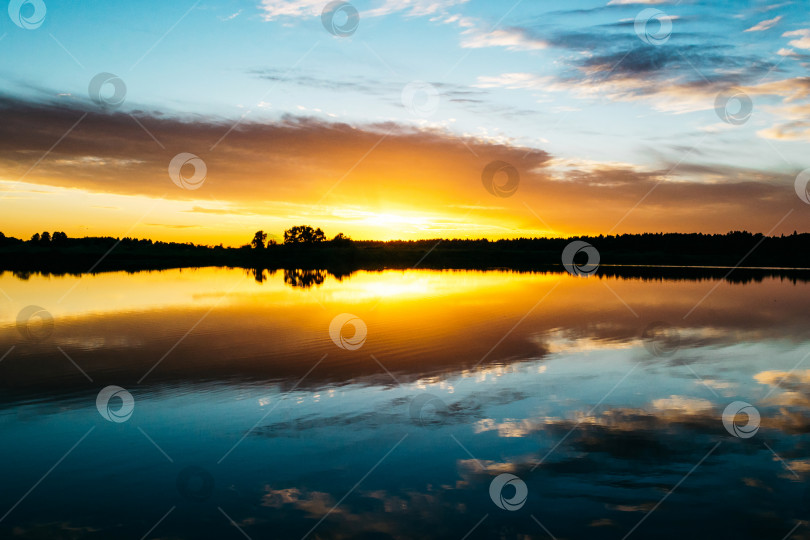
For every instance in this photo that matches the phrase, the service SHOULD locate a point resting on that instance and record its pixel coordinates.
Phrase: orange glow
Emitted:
(367, 183)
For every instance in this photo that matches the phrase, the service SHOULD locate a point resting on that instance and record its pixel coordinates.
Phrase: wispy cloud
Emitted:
(231, 17)
(514, 39)
(764, 25)
(413, 8)
(514, 80)
(803, 41)
(274, 9)
(633, 2)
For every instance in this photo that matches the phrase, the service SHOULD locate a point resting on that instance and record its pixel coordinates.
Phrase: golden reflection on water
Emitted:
(420, 322)
(424, 290)
(544, 376)
(142, 291)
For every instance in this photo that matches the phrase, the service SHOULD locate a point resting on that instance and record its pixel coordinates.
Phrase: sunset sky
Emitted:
(611, 115)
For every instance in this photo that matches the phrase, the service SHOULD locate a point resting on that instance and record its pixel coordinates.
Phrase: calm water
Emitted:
(248, 420)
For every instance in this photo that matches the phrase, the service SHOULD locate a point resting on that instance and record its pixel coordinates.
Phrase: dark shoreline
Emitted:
(307, 276)
(736, 256)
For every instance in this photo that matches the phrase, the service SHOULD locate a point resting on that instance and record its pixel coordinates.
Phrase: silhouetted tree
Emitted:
(45, 239)
(35, 238)
(341, 239)
(59, 239)
(258, 240)
(303, 234)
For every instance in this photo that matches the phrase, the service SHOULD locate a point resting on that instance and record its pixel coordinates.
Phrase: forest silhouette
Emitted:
(306, 248)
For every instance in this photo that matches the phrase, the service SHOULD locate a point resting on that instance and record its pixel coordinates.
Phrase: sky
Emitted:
(206, 121)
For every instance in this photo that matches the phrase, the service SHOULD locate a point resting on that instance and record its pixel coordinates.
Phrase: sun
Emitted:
(387, 219)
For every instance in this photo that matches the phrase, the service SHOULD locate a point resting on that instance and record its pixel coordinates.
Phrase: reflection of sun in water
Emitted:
(392, 289)
(424, 285)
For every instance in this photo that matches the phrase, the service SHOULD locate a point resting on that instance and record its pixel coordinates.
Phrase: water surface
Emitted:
(604, 396)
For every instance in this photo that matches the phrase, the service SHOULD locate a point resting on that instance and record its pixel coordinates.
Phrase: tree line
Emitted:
(307, 247)
(58, 238)
(299, 235)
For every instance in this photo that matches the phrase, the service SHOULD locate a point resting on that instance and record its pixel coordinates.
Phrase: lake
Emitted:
(225, 403)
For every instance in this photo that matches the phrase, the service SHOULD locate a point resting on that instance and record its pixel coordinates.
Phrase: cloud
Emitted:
(790, 131)
(513, 39)
(218, 211)
(467, 97)
(793, 380)
(793, 111)
(654, 68)
(274, 9)
(674, 79)
(507, 428)
(671, 82)
(608, 60)
(634, 2)
(367, 86)
(413, 8)
(169, 226)
(791, 90)
(314, 503)
(775, 6)
(764, 25)
(297, 166)
(231, 17)
(683, 404)
(804, 38)
(295, 160)
(514, 80)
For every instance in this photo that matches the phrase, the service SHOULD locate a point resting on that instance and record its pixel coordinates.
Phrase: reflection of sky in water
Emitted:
(571, 402)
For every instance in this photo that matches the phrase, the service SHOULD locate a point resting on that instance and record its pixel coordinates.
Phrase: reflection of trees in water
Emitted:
(304, 278)
(295, 277)
(22, 275)
(260, 274)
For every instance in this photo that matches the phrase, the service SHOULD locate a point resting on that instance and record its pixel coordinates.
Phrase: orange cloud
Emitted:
(373, 181)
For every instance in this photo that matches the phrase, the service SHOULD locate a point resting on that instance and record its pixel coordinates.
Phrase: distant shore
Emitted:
(643, 255)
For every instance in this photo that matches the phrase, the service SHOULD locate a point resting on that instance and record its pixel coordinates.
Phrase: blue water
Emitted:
(248, 420)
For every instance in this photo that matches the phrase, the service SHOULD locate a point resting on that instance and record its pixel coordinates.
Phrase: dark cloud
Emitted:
(689, 57)
(300, 160)
(361, 85)
(290, 159)
(693, 65)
